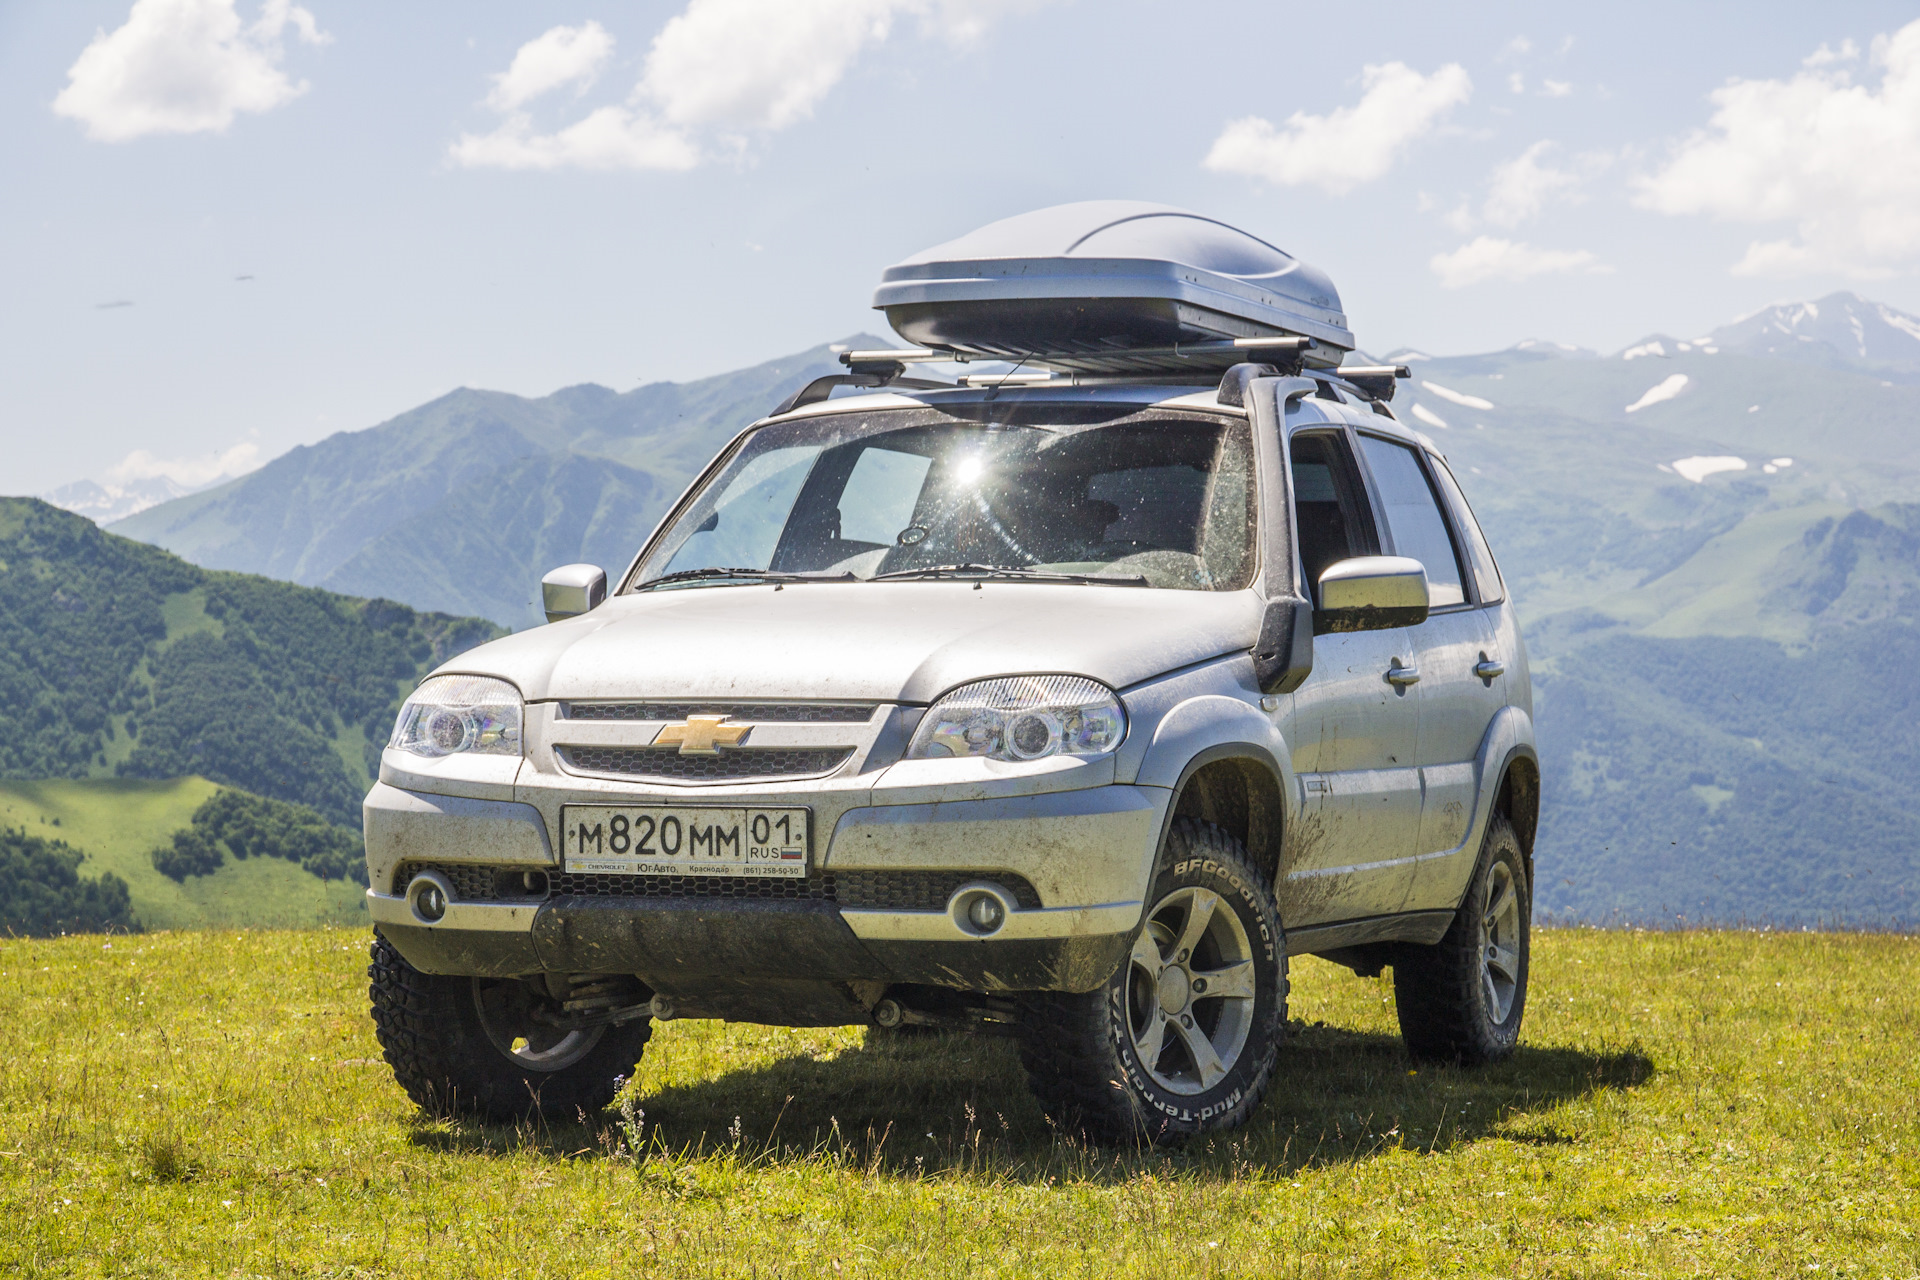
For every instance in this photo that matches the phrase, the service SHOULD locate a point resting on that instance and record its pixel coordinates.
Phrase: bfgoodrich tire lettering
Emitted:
(1461, 1000)
(451, 1044)
(1182, 1039)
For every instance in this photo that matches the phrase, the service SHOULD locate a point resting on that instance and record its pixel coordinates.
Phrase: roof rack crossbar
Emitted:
(1374, 381)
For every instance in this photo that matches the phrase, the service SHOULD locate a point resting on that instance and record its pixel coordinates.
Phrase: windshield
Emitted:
(1147, 500)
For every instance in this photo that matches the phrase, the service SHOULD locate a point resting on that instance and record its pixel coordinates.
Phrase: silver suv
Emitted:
(1067, 710)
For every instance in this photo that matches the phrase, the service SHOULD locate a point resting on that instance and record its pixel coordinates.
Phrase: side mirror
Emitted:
(1371, 593)
(572, 590)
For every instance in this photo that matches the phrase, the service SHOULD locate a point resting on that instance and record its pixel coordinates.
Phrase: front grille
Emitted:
(922, 890)
(875, 890)
(474, 884)
(815, 888)
(757, 712)
(669, 765)
(880, 890)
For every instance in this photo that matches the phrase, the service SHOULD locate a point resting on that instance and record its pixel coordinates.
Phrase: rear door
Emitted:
(1353, 730)
(1452, 649)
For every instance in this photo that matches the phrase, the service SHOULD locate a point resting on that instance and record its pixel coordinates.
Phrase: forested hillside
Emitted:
(120, 658)
(1723, 732)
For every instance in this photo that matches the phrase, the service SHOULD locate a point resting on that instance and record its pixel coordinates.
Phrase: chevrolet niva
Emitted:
(1066, 702)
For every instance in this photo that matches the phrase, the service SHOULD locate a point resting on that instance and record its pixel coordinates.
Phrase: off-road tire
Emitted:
(1082, 1059)
(430, 1031)
(1446, 994)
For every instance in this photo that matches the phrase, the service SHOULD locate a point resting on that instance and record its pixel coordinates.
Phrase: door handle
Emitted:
(1489, 668)
(1403, 676)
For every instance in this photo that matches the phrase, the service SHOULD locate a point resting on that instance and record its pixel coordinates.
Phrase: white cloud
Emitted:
(1349, 145)
(1492, 258)
(758, 64)
(723, 70)
(560, 56)
(1516, 83)
(1665, 389)
(1556, 89)
(1522, 186)
(183, 66)
(1839, 161)
(189, 472)
(609, 138)
(1823, 56)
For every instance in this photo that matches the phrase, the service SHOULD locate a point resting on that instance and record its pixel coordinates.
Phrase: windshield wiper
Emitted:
(753, 575)
(1009, 571)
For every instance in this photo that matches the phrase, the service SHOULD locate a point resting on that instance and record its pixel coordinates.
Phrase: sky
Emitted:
(229, 227)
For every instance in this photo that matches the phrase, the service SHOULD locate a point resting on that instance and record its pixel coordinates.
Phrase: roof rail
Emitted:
(872, 374)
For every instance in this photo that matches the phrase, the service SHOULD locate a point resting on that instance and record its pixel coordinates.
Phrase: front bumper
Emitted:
(1083, 854)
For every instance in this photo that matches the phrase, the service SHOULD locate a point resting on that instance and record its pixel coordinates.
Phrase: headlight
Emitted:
(1022, 718)
(451, 714)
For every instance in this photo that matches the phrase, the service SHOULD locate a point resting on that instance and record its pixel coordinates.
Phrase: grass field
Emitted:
(118, 822)
(1716, 1104)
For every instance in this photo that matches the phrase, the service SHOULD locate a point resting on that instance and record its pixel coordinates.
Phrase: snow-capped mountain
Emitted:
(105, 503)
(1841, 330)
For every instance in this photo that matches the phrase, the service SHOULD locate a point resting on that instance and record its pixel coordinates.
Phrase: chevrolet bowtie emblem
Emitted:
(702, 735)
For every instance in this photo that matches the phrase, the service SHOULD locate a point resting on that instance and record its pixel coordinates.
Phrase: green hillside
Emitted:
(1681, 1104)
(461, 504)
(118, 822)
(121, 660)
(1720, 738)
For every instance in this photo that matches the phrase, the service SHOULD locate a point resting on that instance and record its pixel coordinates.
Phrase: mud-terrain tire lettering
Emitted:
(1079, 1050)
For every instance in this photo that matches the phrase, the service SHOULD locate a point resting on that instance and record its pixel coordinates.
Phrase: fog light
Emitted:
(986, 914)
(429, 895)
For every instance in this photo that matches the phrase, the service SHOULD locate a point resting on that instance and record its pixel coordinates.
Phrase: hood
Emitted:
(878, 642)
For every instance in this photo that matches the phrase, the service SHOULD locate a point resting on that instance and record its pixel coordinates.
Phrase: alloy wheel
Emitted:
(1190, 991)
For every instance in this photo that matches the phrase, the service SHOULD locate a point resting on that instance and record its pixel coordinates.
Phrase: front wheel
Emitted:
(1182, 1039)
(1461, 999)
(480, 1045)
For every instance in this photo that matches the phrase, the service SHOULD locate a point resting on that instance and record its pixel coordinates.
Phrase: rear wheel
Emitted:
(1182, 1039)
(1461, 1000)
(481, 1045)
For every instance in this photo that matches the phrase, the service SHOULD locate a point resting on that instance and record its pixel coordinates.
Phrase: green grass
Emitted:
(118, 822)
(1684, 1103)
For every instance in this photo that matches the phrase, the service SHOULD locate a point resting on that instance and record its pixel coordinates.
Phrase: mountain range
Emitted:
(1713, 541)
(461, 504)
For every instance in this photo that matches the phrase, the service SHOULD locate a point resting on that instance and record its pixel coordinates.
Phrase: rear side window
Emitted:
(1412, 512)
(1485, 572)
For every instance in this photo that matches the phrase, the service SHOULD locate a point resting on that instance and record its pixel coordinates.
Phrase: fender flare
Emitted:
(1508, 738)
(1205, 730)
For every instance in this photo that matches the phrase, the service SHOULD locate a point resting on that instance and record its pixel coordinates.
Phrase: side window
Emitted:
(1413, 517)
(1485, 572)
(1330, 506)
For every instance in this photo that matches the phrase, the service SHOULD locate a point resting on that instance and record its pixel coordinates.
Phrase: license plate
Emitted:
(685, 840)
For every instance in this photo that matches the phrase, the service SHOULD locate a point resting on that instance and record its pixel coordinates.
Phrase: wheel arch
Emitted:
(1238, 787)
(1517, 799)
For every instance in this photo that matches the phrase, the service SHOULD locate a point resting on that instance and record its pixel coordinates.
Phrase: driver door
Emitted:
(1353, 728)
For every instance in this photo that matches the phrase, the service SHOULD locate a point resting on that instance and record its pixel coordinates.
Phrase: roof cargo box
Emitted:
(1074, 286)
